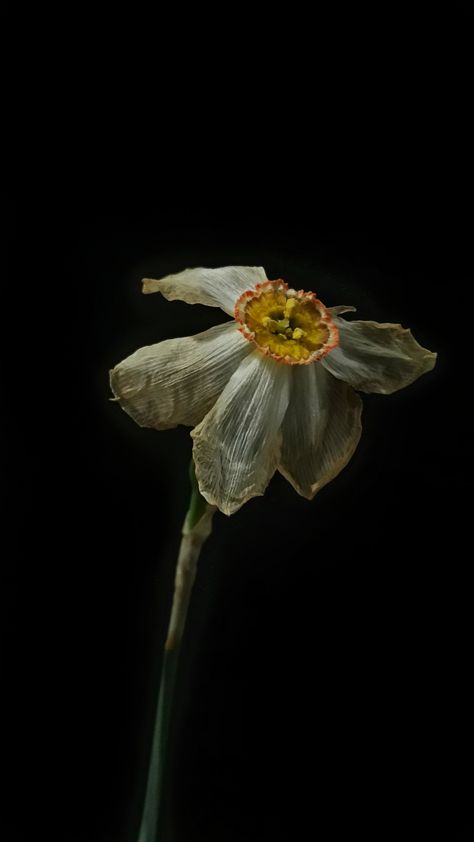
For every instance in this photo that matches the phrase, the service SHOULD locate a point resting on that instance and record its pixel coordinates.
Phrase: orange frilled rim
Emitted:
(310, 298)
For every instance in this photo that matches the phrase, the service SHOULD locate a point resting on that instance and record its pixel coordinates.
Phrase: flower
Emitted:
(271, 390)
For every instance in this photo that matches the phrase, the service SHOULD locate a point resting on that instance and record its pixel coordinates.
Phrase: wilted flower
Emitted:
(272, 389)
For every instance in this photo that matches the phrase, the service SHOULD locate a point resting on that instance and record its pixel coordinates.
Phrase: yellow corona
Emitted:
(292, 327)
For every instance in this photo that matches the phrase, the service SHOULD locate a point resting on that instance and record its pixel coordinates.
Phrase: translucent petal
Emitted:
(214, 287)
(321, 429)
(177, 381)
(237, 445)
(341, 308)
(377, 357)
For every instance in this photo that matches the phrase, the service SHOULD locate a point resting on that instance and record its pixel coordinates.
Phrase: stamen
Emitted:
(275, 325)
(298, 333)
(292, 327)
(290, 306)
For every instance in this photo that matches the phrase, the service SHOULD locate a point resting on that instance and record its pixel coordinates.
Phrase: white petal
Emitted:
(178, 380)
(321, 429)
(214, 287)
(237, 445)
(341, 308)
(376, 357)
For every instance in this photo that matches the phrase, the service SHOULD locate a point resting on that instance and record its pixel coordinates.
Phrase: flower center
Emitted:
(293, 327)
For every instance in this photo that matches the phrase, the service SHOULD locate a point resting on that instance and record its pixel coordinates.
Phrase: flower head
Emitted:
(271, 390)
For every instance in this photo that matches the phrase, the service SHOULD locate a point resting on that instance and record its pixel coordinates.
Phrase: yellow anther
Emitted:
(275, 325)
(290, 305)
(270, 323)
(298, 333)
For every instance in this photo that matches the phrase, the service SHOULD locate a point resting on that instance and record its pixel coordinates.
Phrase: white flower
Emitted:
(272, 389)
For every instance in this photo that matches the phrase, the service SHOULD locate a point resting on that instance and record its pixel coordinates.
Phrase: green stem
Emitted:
(196, 528)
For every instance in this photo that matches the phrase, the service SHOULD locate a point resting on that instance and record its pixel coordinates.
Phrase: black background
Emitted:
(324, 684)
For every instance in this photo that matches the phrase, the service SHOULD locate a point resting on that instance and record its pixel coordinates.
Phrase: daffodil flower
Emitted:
(273, 389)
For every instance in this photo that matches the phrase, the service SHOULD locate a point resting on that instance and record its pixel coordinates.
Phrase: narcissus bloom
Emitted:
(271, 390)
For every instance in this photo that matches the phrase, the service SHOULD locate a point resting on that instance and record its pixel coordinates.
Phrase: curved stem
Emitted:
(196, 528)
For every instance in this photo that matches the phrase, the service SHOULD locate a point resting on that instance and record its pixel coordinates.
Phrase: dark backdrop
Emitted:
(324, 677)
(324, 688)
